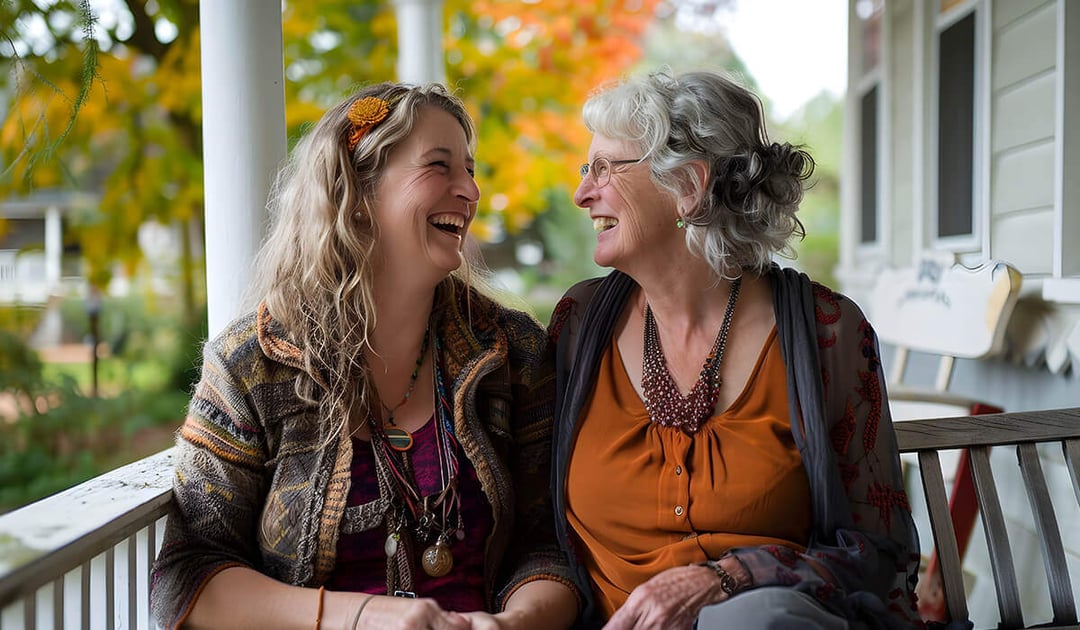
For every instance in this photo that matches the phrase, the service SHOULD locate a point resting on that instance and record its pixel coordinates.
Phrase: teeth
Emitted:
(448, 219)
(604, 223)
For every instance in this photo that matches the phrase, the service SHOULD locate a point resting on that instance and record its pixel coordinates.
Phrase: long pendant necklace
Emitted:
(663, 400)
(400, 439)
(426, 516)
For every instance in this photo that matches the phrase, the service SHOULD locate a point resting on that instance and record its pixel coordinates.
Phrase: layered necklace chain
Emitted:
(663, 400)
(433, 519)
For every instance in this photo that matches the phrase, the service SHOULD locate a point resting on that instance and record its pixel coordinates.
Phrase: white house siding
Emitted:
(900, 112)
(1023, 74)
(1031, 224)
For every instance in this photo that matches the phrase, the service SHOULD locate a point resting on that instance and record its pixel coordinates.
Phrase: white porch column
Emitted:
(243, 141)
(420, 41)
(54, 248)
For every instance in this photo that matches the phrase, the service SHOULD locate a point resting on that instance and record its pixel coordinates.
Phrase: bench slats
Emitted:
(952, 580)
(1022, 431)
(1072, 462)
(997, 539)
(1057, 571)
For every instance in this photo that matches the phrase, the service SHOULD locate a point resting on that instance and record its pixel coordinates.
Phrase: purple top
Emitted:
(361, 561)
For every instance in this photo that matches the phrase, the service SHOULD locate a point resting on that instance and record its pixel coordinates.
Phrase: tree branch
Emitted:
(143, 37)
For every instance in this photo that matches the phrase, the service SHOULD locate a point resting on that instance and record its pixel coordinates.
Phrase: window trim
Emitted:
(978, 241)
(878, 77)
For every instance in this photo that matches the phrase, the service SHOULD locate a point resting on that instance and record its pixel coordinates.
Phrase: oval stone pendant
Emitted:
(390, 547)
(437, 560)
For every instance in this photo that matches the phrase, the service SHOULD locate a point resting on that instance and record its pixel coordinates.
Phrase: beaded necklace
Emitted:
(429, 519)
(663, 400)
(400, 439)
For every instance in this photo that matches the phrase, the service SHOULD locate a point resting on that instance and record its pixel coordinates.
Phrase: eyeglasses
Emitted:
(601, 169)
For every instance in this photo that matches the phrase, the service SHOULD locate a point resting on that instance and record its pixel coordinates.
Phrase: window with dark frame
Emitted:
(956, 129)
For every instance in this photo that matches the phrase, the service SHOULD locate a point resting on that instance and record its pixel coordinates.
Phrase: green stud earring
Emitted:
(679, 223)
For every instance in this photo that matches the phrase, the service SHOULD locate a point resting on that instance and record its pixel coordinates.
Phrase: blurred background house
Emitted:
(958, 137)
(962, 142)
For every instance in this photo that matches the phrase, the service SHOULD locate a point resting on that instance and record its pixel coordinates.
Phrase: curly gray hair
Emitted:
(747, 203)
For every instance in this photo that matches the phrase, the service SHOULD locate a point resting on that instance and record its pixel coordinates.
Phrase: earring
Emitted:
(679, 223)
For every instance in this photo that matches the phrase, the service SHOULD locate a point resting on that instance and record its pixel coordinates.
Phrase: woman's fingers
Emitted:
(396, 613)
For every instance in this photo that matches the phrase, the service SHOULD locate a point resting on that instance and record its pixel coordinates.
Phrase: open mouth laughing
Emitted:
(603, 224)
(448, 222)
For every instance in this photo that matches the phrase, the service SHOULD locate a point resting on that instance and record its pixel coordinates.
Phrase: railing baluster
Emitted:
(30, 612)
(151, 553)
(133, 581)
(110, 588)
(84, 600)
(58, 602)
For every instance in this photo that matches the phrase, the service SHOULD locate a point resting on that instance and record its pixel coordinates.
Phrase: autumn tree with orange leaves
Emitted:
(110, 103)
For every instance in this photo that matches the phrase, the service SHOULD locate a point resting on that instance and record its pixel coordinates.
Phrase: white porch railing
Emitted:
(81, 558)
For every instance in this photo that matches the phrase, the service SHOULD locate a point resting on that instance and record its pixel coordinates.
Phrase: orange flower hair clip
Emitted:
(364, 114)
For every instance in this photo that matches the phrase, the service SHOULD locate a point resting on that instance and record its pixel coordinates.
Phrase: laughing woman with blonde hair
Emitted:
(368, 447)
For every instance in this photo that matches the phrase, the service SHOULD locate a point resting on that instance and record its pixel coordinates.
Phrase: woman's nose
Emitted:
(466, 187)
(585, 193)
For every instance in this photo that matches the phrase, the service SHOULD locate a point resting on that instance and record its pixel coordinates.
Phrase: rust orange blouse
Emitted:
(642, 498)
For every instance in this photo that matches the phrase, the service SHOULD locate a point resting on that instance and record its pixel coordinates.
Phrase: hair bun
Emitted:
(775, 172)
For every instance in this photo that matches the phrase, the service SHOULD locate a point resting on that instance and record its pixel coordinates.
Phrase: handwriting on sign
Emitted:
(927, 295)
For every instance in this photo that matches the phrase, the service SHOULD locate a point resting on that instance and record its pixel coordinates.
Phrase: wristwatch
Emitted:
(728, 583)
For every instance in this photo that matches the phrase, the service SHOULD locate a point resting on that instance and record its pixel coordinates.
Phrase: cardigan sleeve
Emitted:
(870, 555)
(533, 552)
(218, 489)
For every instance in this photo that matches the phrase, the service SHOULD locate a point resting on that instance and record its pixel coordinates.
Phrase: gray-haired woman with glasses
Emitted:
(724, 454)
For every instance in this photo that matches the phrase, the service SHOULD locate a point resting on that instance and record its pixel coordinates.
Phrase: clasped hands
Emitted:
(395, 613)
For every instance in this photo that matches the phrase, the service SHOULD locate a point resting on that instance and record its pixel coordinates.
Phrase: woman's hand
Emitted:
(536, 605)
(487, 621)
(404, 613)
(670, 599)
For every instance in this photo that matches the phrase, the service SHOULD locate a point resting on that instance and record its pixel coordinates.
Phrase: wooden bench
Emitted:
(978, 434)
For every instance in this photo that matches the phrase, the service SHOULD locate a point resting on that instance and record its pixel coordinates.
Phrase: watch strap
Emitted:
(728, 583)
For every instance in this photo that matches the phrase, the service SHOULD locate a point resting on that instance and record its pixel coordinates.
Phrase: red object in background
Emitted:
(963, 508)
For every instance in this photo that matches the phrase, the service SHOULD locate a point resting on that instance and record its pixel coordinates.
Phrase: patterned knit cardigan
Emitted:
(255, 486)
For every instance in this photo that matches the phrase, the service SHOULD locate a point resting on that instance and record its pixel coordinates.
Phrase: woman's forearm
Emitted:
(239, 597)
(541, 604)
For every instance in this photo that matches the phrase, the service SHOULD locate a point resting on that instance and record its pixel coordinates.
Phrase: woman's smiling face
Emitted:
(426, 197)
(630, 214)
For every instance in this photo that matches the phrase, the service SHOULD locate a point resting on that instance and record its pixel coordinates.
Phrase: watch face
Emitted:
(727, 583)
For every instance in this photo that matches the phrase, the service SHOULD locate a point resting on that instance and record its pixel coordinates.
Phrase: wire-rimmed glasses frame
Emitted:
(601, 168)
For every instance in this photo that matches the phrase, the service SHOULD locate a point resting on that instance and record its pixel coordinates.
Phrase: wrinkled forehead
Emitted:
(611, 148)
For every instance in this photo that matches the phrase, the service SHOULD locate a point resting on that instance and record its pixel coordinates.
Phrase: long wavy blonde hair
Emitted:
(315, 272)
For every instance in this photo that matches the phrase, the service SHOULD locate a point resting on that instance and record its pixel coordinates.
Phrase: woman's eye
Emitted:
(441, 164)
(471, 172)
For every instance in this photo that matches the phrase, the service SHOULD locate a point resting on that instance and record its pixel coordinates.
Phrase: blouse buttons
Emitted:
(678, 510)
(678, 470)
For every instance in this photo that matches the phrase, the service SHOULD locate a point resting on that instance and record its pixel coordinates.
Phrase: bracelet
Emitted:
(318, 611)
(356, 617)
(728, 583)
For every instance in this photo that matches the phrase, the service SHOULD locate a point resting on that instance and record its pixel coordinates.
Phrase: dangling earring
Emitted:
(679, 223)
